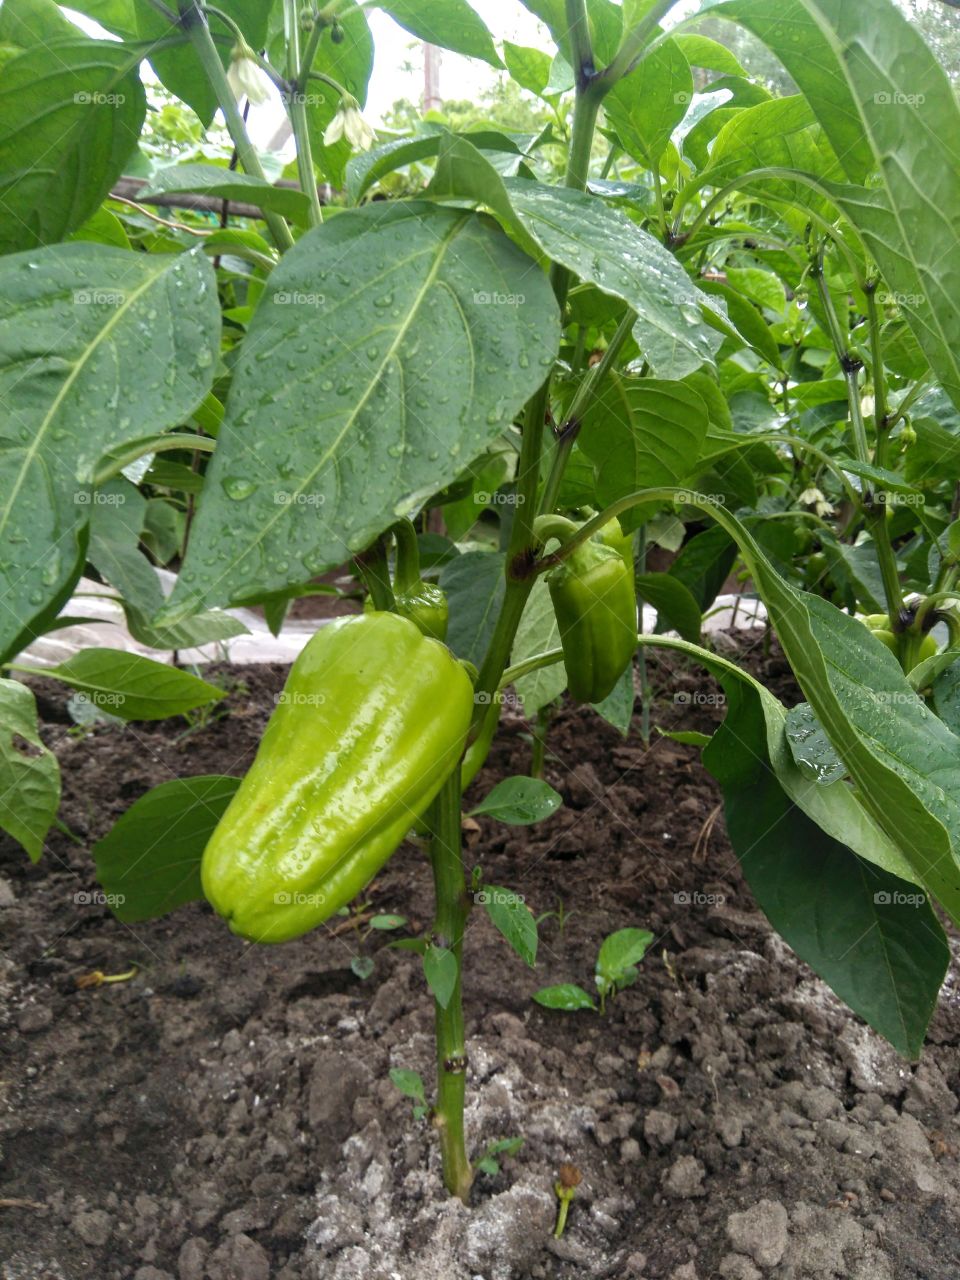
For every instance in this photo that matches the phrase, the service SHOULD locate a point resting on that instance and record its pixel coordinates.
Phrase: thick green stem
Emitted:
(522, 550)
(644, 669)
(296, 104)
(406, 572)
(372, 567)
(633, 44)
(448, 928)
(195, 24)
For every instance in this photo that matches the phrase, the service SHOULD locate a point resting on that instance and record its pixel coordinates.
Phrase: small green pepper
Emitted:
(371, 722)
(879, 625)
(595, 602)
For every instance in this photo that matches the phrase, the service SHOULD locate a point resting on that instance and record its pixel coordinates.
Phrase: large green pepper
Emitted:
(595, 602)
(372, 720)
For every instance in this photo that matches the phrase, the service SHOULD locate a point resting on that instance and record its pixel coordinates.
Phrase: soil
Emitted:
(227, 1114)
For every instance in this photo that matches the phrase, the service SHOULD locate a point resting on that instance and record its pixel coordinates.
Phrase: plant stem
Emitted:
(406, 570)
(582, 401)
(632, 45)
(448, 928)
(521, 552)
(644, 671)
(194, 24)
(372, 567)
(295, 102)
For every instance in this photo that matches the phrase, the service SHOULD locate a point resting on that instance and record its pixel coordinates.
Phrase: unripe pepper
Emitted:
(424, 603)
(879, 624)
(372, 720)
(595, 603)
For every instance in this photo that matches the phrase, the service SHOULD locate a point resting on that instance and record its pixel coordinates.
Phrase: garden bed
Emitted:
(227, 1113)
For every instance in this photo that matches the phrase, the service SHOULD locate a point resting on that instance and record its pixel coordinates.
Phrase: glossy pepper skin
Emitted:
(372, 720)
(425, 604)
(595, 603)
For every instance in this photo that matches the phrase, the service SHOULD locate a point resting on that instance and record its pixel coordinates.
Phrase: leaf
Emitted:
(620, 951)
(677, 610)
(361, 967)
(26, 23)
(638, 428)
(530, 68)
(211, 180)
(519, 801)
(367, 167)
(97, 346)
(388, 922)
(601, 245)
(617, 707)
(29, 779)
(704, 564)
(133, 687)
(179, 69)
(70, 113)
(538, 632)
(409, 1083)
(869, 934)
(451, 25)
(701, 51)
(888, 109)
(150, 859)
(647, 105)
(404, 353)
(474, 586)
(567, 995)
(811, 748)
(440, 971)
(513, 919)
(903, 760)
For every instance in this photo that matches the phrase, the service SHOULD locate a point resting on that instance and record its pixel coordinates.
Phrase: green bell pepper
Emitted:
(371, 722)
(595, 602)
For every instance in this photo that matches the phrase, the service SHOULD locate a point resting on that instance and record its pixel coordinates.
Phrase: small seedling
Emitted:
(616, 968)
(488, 1162)
(561, 915)
(566, 1188)
(410, 1084)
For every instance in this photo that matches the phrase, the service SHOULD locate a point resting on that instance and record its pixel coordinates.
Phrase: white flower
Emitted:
(349, 123)
(245, 77)
(812, 497)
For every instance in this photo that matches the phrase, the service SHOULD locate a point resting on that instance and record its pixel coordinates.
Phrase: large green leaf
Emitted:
(149, 861)
(601, 245)
(29, 778)
(640, 428)
(131, 686)
(451, 25)
(97, 346)
(903, 759)
(647, 105)
(538, 631)
(209, 179)
(867, 932)
(71, 111)
(396, 342)
(888, 109)
(27, 23)
(474, 585)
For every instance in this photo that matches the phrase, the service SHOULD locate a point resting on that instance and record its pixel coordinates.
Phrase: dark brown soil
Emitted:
(227, 1114)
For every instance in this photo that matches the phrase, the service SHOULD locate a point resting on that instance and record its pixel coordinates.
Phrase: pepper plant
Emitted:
(729, 332)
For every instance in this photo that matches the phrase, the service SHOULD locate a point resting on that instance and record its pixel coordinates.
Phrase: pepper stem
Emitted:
(449, 925)
(407, 570)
